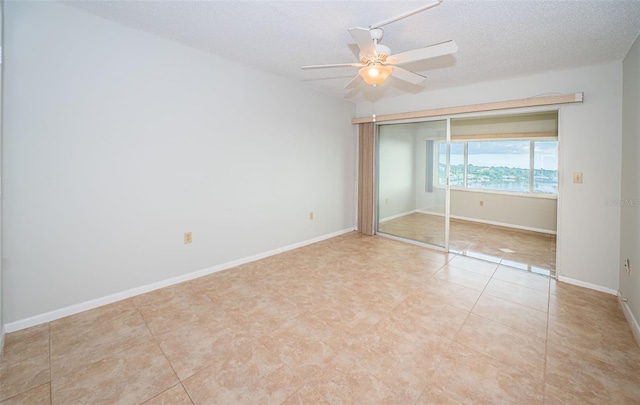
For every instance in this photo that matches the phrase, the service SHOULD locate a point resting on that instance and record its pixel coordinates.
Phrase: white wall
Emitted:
(396, 166)
(433, 200)
(531, 213)
(590, 142)
(397, 170)
(117, 142)
(630, 195)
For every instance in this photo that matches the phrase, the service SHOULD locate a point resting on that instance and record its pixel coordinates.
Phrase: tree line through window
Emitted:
(517, 165)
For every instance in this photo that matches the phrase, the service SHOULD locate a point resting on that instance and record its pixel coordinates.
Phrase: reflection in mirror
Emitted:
(411, 202)
(503, 177)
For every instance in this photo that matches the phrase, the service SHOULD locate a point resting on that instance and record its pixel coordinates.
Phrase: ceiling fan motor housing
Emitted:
(382, 53)
(376, 34)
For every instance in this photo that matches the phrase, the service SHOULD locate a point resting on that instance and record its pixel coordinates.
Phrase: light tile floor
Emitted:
(526, 250)
(350, 320)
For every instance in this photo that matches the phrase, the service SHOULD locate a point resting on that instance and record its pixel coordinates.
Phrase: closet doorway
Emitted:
(484, 187)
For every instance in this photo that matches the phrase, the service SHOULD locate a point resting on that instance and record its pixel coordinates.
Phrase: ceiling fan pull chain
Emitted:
(373, 104)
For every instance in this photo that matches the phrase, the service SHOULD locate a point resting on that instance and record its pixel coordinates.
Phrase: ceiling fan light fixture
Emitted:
(375, 74)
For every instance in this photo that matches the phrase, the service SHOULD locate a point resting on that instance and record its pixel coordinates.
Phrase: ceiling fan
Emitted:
(376, 62)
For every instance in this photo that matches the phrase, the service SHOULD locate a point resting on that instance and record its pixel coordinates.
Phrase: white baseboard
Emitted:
(403, 214)
(496, 223)
(435, 213)
(109, 299)
(590, 286)
(631, 320)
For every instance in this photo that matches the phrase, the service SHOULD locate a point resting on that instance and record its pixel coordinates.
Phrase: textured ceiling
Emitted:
(496, 39)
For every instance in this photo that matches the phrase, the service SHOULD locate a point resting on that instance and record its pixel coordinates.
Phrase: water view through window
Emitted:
(502, 165)
(545, 167)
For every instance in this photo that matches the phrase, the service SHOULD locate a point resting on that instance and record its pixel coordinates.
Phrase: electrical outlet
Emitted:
(577, 177)
(311, 216)
(627, 265)
(188, 238)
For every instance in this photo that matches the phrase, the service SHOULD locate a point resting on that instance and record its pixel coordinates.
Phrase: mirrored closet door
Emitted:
(412, 181)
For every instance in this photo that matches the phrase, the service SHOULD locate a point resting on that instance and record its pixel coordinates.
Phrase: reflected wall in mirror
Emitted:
(503, 175)
(411, 204)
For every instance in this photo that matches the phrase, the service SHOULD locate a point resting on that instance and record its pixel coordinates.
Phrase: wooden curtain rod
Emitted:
(498, 105)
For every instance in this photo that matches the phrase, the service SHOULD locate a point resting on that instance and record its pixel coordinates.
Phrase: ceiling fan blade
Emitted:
(444, 48)
(354, 82)
(336, 65)
(362, 36)
(407, 76)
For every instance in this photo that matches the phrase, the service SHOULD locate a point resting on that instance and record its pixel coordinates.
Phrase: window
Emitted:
(545, 167)
(456, 160)
(506, 165)
(498, 165)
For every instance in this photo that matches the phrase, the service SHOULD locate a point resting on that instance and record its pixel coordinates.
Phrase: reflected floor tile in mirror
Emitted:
(525, 250)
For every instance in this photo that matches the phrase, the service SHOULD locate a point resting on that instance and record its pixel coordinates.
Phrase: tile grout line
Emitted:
(549, 381)
(546, 344)
(510, 327)
(187, 392)
(470, 312)
(153, 337)
(50, 365)
(477, 299)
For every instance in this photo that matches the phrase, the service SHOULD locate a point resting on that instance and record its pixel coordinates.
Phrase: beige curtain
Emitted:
(366, 170)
